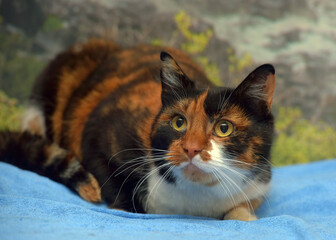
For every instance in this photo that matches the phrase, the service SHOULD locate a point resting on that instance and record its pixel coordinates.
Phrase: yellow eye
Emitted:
(178, 123)
(223, 128)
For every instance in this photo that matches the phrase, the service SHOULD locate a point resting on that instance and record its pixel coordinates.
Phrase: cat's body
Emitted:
(154, 140)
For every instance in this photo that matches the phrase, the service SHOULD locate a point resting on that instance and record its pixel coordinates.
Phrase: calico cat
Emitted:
(144, 135)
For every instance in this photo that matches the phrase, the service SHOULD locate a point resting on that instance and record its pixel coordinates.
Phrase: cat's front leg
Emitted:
(241, 213)
(244, 211)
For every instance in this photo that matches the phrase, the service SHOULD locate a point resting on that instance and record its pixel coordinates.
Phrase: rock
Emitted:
(23, 14)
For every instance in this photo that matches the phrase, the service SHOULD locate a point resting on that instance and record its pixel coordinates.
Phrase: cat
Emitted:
(144, 130)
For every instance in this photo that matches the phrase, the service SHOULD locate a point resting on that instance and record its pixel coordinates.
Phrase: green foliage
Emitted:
(299, 141)
(10, 113)
(157, 42)
(195, 42)
(238, 65)
(52, 23)
(210, 69)
(18, 68)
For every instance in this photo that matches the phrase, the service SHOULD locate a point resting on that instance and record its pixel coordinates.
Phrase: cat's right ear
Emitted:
(174, 81)
(258, 88)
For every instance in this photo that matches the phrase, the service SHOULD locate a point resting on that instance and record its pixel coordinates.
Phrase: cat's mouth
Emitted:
(196, 174)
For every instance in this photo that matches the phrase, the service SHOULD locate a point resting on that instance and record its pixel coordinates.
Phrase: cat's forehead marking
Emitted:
(198, 120)
(196, 106)
(199, 129)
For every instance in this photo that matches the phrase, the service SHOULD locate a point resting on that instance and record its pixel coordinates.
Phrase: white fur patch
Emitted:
(257, 91)
(33, 121)
(171, 80)
(190, 198)
(72, 168)
(54, 151)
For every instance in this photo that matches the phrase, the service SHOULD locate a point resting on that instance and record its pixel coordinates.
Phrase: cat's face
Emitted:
(204, 134)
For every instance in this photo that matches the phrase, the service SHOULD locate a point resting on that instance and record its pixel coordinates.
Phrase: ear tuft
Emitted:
(173, 80)
(170, 69)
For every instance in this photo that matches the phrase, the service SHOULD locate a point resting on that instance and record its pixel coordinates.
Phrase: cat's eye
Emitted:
(178, 123)
(223, 128)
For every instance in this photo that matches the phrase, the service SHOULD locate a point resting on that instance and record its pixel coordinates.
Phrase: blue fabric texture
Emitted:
(300, 205)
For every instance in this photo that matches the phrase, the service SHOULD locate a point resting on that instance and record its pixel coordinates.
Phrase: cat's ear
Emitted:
(258, 88)
(174, 81)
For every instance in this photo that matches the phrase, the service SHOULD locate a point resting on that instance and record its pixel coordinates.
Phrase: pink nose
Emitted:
(192, 149)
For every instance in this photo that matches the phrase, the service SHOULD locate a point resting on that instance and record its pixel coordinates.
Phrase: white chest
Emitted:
(187, 198)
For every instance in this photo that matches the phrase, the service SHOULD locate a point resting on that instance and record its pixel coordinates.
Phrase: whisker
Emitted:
(240, 190)
(139, 159)
(222, 183)
(144, 160)
(249, 182)
(245, 178)
(137, 149)
(158, 183)
(143, 179)
(252, 165)
(226, 100)
(119, 191)
(136, 161)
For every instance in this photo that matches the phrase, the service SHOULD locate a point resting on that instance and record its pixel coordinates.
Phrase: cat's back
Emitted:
(77, 82)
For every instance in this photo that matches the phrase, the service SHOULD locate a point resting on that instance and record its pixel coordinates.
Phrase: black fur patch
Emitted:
(216, 101)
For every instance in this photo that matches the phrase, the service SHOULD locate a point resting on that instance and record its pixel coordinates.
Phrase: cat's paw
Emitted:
(241, 214)
(90, 191)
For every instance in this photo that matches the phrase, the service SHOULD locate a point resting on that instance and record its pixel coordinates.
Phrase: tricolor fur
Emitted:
(147, 134)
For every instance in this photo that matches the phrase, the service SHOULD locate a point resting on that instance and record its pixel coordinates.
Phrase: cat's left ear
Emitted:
(174, 81)
(258, 88)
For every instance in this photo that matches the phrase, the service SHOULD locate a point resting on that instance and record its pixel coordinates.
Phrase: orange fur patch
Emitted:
(198, 133)
(69, 81)
(53, 152)
(142, 95)
(205, 155)
(257, 141)
(236, 115)
(176, 154)
(87, 56)
(269, 90)
(132, 64)
(243, 211)
(86, 106)
(138, 99)
(247, 158)
(91, 190)
(199, 129)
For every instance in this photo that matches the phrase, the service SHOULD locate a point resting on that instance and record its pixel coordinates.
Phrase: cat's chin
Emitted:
(197, 175)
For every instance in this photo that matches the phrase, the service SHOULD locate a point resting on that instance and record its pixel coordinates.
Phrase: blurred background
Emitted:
(227, 38)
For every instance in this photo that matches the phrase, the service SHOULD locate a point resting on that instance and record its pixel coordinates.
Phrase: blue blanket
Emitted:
(301, 205)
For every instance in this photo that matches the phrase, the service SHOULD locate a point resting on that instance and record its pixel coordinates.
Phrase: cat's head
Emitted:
(201, 133)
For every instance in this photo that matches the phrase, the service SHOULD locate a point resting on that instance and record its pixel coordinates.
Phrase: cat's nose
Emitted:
(192, 149)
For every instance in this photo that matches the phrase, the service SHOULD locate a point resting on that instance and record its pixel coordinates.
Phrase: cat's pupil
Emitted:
(224, 127)
(179, 122)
